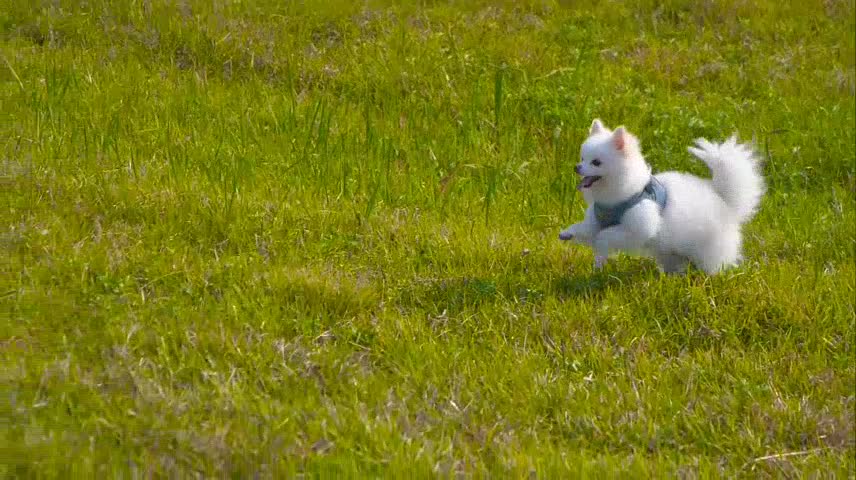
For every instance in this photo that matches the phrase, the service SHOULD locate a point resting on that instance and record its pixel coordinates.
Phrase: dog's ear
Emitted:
(621, 138)
(596, 127)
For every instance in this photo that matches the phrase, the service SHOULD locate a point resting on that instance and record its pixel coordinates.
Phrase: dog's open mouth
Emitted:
(587, 182)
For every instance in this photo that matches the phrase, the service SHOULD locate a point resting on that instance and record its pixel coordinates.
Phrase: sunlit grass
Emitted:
(268, 238)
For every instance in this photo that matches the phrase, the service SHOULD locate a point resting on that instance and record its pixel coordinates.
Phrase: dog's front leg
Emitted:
(612, 238)
(638, 226)
(583, 232)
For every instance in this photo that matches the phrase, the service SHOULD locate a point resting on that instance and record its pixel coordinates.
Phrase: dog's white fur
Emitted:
(701, 222)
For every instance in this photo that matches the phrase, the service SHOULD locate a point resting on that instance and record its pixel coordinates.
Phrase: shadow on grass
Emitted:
(460, 293)
(592, 285)
(451, 294)
(617, 275)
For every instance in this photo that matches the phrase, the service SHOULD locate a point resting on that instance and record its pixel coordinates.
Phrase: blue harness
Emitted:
(609, 216)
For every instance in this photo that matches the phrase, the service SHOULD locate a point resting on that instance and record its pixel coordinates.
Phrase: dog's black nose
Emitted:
(577, 169)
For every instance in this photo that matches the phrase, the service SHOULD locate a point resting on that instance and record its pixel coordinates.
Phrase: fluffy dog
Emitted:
(676, 217)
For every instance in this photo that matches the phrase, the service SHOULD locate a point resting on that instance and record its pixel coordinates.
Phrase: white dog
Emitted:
(676, 217)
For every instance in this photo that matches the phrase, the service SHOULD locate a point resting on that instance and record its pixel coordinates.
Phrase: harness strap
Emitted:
(609, 216)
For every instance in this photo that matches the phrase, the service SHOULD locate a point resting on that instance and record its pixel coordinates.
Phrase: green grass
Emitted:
(270, 237)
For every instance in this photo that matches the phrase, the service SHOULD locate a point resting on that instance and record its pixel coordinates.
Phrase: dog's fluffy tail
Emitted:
(736, 174)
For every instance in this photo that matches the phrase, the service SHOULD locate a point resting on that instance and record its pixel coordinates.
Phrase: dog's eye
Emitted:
(595, 162)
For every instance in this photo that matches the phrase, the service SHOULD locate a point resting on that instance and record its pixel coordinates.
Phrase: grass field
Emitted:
(264, 238)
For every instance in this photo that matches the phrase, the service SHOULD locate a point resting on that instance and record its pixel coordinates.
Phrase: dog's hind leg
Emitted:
(720, 253)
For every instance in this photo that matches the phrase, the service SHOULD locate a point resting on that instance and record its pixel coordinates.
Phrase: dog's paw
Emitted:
(599, 262)
(572, 233)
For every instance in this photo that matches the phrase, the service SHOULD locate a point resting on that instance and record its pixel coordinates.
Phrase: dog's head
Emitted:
(607, 158)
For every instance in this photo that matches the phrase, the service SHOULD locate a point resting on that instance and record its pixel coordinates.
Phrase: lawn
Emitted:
(248, 238)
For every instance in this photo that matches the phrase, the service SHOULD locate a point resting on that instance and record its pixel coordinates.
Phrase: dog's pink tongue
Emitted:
(586, 182)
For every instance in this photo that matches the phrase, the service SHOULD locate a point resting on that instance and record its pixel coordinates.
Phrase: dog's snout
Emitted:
(577, 168)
